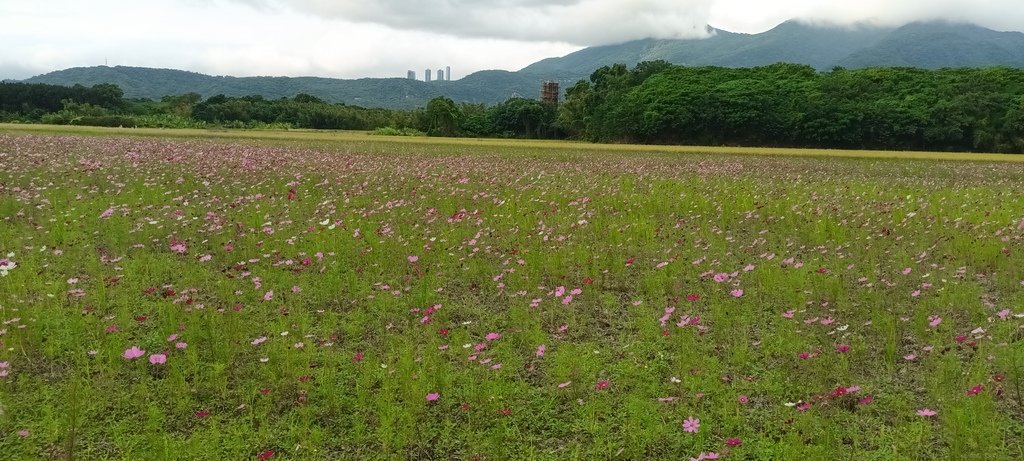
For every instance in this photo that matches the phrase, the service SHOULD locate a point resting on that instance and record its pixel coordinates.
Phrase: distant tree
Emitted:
(442, 117)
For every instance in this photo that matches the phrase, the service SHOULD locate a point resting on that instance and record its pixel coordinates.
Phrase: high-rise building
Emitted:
(440, 75)
(426, 75)
(448, 73)
(411, 75)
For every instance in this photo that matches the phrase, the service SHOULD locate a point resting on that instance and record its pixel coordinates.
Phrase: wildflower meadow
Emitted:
(343, 297)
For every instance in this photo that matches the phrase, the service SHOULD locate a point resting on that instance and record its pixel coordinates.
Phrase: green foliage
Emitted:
(442, 117)
(792, 105)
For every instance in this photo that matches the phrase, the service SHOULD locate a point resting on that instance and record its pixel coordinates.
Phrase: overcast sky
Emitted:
(384, 38)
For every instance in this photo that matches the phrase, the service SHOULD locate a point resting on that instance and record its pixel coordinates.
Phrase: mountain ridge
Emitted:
(920, 44)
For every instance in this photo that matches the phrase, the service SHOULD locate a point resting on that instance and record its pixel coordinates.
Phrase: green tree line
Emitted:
(961, 109)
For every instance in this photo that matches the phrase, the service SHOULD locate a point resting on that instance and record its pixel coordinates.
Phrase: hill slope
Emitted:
(927, 45)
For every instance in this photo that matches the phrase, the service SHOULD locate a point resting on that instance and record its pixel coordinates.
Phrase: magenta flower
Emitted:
(842, 348)
(602, 384)
(691, 424)
(133, 353)
(744, 399)
(433, 396)
(158, 359)
(736, 293)
(492, 336)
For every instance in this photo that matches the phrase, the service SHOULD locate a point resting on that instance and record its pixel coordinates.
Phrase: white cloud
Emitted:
(581, 22)
(384, 38)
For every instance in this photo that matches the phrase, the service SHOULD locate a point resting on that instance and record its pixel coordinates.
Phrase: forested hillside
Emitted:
(931, 45)
(897, 108)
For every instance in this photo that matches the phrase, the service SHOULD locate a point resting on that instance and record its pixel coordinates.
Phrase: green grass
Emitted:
(328, 222)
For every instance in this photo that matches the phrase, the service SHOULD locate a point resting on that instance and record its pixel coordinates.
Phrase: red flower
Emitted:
(443, 332)
(505, 411)
(265, 391)
(265, 455)
(588, 281)
(202, 414)
(358, 357)
(692, 297)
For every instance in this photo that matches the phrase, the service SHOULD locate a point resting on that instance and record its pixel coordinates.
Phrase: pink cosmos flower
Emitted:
(734, 442)
(736, 293)
(927, 413)
(602, 384)
(181, 345)
(23, 433)
(564, 385)
(433, 396)
(906, 271)
(559, 292)
(258, 341)
(691, 424)
(975, 390)
(133, 353)
(1003, 314)
(158, 359)
(268, 295)
(492, 336)
(788, 314)
(540, 350)
(934, 321)
(842, 348)
(743, 399)
(413, 258)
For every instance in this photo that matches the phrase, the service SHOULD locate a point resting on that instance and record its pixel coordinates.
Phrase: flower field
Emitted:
(197, 298)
